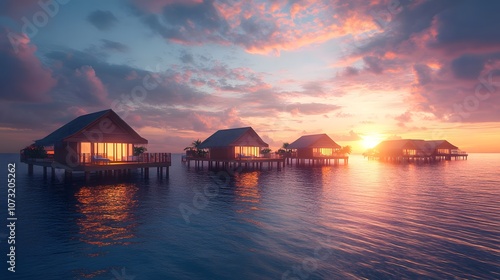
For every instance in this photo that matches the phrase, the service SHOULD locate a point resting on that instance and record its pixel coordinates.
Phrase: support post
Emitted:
(67, 175)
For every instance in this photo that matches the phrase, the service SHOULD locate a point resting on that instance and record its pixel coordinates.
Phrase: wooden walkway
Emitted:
(318, 161)
(420, 158)
(246, 163)
(260, 163)
(162, 161)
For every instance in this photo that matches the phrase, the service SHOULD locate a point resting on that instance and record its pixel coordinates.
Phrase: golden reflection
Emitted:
(106, 214)
(91, 275)
(247, 190)
(326, 174)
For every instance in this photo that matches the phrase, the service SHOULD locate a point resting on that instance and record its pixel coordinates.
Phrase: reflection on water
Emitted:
(375, 221)
(106, 214)
(247, 190)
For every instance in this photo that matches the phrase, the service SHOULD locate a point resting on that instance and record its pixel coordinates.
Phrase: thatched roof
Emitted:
(422, 146)
(314, 141)
(82, 123)
(244, 136)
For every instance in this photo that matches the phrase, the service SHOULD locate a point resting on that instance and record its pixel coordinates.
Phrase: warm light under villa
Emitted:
(111, 151)
(246, 151)
(322, 152)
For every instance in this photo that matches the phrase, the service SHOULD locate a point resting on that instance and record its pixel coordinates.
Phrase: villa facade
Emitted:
(233, 144)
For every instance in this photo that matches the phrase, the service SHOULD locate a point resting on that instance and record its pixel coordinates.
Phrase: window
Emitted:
(246, 151)
(443, 151)
(113, 151)
(85, 148)
(110, 151)
(409, 152)
(322, 152)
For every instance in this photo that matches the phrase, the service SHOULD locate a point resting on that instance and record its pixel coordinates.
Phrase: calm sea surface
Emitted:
(366, 220)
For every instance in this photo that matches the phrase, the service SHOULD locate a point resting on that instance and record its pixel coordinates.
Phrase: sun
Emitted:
(370, 141)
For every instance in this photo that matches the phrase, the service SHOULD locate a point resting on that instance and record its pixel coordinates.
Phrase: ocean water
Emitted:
(365, 220)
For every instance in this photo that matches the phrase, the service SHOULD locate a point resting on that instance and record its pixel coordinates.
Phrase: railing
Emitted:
(155, 157)
(23, 157)
(197, 156)
(88, 158)
(142, 158)
(93, 158)
(261, 156)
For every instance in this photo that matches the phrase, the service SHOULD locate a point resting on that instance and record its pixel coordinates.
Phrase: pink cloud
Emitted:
(156, 6)
(259, 27)
(77, 111)
(27, 79)
(90, 84)
(18, 8)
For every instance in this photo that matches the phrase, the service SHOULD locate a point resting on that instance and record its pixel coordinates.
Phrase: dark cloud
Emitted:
(423, 73)
(309, 108)
(259, 27)
(255, 31)
(373, 64)
(399, 27)
(22, 76)
(114, 46)
(188, 22)
(470, 23)
(81, 83)
(315, 88)
(186, 58)
(467, 66)
(203, 15)
(102, 20)
(182, 119)
(350, 71)
(18, 8)
(166, 87)
(450, 45)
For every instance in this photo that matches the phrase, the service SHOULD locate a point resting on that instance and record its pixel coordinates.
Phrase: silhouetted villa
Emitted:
(100, 141)
(98, 135)
(316, 149)
(234, 143)
(236, 147)
(416, 149)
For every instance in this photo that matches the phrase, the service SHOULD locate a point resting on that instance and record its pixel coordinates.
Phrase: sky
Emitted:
(179, 70)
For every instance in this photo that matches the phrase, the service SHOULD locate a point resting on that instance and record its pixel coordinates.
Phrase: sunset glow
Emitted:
(370, 141)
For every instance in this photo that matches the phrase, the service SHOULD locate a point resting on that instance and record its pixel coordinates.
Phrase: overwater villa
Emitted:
(235, 147)
(99, 142)
(317, 149)
(416, 150)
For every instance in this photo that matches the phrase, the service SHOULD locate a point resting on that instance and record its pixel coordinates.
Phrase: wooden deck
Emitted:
(107, 168)
(319, 161)
(246, 163)
(420, 158)
(261, 162)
